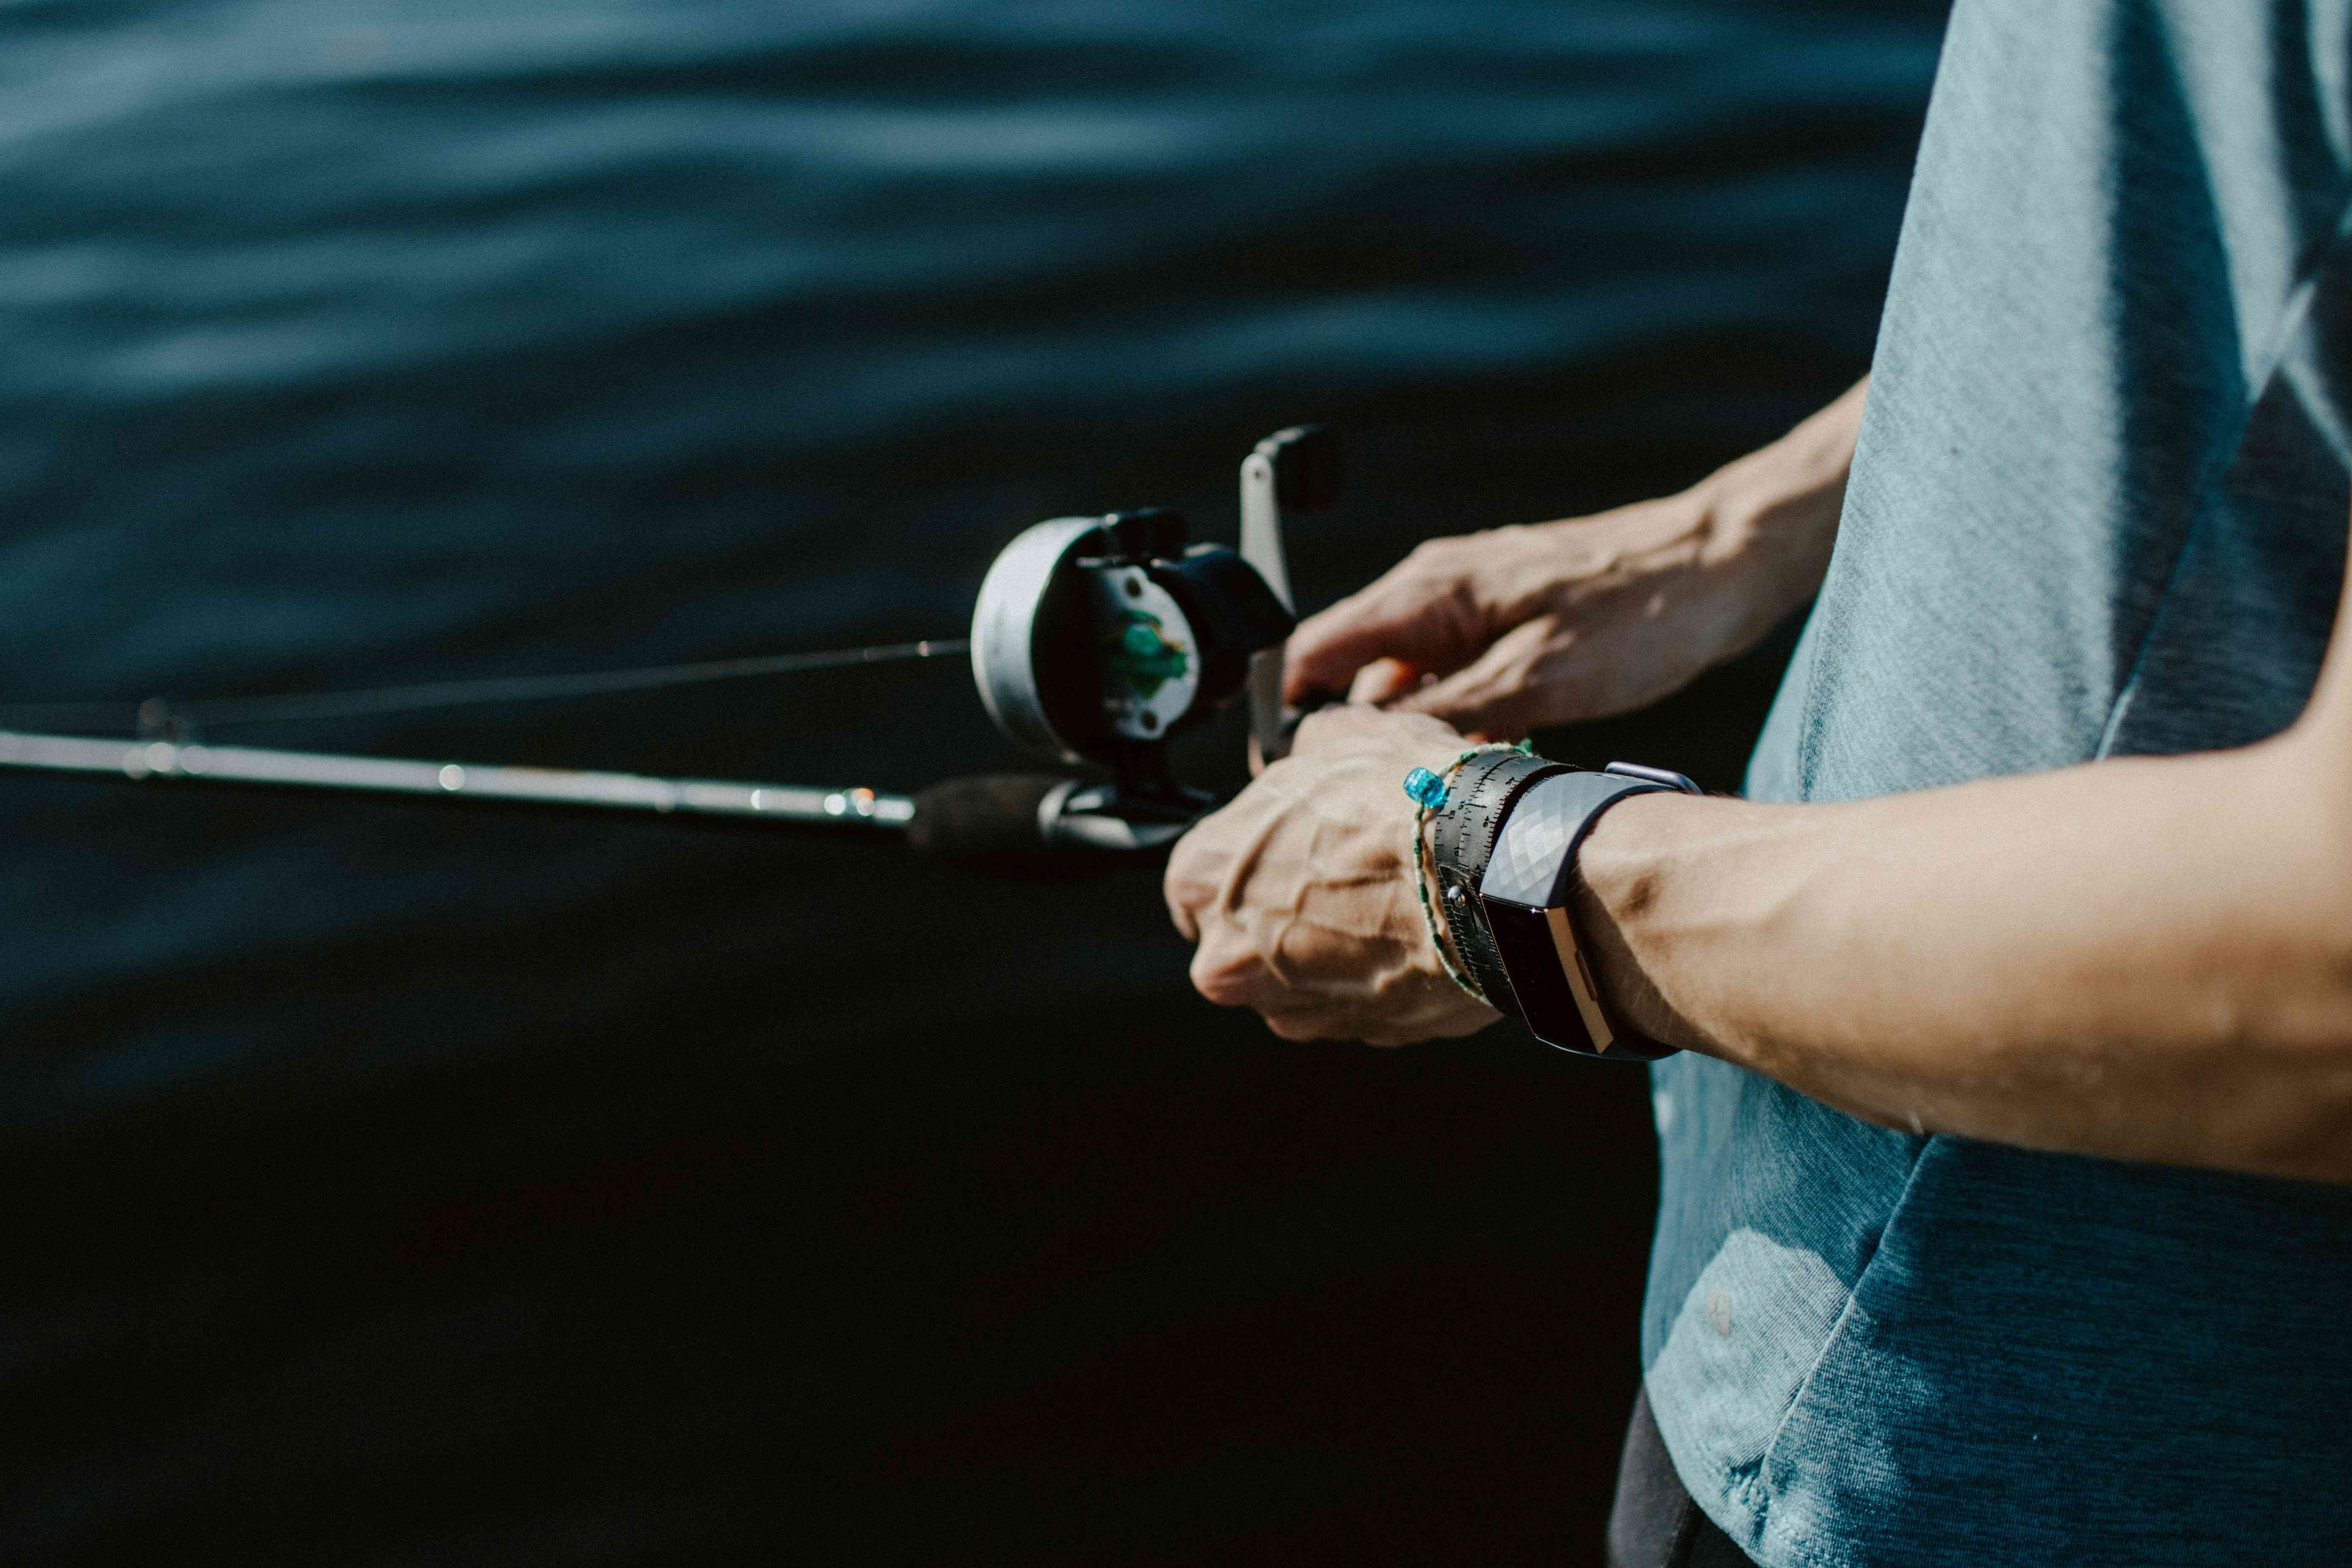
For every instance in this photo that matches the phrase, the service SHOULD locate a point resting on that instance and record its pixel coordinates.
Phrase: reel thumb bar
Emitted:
(1293, 470)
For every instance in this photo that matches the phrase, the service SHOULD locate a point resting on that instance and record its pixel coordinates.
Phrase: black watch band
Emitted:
(1524, 894)
(1463, 838)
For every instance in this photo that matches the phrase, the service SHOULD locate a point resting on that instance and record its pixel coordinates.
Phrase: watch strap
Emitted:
(1462, 841)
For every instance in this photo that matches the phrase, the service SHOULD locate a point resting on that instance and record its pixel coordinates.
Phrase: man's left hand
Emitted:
(1300, 893)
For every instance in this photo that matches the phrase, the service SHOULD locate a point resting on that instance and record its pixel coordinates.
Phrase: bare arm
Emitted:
(2145, 959)
(1300, 893)
(2142, 959)
(1501, 632)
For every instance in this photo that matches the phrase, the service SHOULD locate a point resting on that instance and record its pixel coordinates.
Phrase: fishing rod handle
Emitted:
(998, 818)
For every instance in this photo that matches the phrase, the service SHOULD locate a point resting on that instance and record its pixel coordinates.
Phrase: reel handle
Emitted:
(1297, 470)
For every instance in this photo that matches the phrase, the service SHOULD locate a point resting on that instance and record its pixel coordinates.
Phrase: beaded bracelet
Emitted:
(1427, 790)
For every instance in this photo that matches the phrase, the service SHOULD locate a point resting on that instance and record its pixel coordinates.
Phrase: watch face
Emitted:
(1555, 997)
(1530, 861)
(1572, 969)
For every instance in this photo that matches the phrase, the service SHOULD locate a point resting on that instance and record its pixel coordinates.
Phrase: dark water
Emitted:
(390, 1183)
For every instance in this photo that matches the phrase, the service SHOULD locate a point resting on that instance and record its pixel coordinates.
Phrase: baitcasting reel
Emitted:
(1096, 638)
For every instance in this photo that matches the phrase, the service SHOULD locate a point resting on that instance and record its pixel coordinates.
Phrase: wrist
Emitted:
(1505, 856)
(1631, 878)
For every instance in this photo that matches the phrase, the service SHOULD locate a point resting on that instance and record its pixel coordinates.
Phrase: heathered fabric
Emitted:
(2098, 507)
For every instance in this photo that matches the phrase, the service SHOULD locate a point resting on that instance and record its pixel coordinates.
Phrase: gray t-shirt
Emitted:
(2098, 508)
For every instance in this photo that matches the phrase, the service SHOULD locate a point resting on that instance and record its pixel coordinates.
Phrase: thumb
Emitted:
(1494, 695)
(1387, 621)
(1382, 682)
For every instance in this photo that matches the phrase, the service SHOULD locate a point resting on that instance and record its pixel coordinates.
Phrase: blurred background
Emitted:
(399, 1183)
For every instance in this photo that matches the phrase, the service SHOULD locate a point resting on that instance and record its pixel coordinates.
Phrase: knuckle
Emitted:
(1220, 975)
(1319, 728)
(1330, 732)
(1278, 774)
(1179, 914)
(1309, 638)
(1439, 552)
(1185, 901)
(1181, 875)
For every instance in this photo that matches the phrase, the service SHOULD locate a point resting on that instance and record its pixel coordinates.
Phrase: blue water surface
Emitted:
(351, 342)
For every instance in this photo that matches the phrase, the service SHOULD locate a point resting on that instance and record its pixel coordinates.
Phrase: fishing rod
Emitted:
(1094, 640)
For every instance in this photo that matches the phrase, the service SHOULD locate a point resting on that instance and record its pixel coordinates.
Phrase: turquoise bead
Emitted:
(1426, 789)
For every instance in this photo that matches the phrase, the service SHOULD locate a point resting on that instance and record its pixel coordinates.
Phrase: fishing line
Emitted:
(157, 713)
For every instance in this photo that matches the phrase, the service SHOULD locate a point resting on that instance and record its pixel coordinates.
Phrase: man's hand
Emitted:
(1499, 633)
(1502, 632)
(1300, 893)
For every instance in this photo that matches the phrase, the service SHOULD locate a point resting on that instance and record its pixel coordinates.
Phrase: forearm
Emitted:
(1550, 623)
(1771, 518)
(1735, 552)
(2145, 959)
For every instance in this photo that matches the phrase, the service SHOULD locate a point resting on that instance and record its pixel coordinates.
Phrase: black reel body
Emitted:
(1096, 638)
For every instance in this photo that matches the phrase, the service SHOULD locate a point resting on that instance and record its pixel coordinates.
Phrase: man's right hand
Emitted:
(1507, 631)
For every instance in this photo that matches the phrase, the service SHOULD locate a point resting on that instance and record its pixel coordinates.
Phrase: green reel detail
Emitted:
(1137, 655)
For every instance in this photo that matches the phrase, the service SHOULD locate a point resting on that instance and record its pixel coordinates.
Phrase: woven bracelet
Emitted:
(1428, 790)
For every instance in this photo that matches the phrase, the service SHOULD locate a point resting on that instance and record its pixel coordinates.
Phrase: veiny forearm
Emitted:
(1744, 546)
(2141, 959)
(1513, 628)
(1771, 518)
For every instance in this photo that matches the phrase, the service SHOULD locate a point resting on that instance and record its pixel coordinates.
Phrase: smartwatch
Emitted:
(1517, 936)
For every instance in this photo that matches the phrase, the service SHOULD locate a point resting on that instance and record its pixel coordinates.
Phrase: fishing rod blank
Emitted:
(163, 760)
(992, 818)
